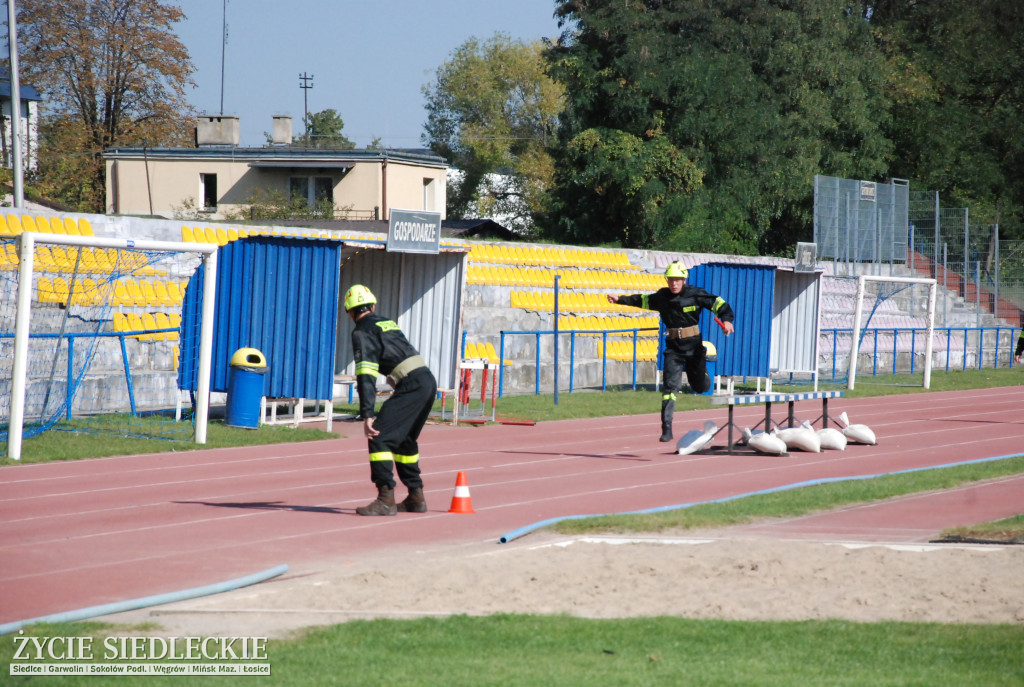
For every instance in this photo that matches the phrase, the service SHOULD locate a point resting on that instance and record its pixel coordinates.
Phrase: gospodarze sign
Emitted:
(414, 231)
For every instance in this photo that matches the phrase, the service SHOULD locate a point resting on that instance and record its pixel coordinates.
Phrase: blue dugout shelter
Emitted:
(777, 318)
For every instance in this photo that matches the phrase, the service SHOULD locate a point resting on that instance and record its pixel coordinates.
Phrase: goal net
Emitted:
(874, 293)
(91, 333)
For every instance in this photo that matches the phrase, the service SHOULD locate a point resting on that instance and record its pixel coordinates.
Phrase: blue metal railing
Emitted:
(71, 382)
(953, 335)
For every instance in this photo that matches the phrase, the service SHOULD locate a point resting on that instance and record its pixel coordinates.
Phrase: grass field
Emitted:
(558, 650)
(536, 651)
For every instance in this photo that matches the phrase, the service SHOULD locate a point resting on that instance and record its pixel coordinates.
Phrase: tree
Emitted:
(750, 97)
(324, 131)
(492, 111)
(113, 73)
(955, 80)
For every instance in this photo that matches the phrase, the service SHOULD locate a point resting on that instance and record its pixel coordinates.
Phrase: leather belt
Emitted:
(403, 368)
(684, 332)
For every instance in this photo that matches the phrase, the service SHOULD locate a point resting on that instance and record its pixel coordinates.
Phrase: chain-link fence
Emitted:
(867, 223)
(859, 221)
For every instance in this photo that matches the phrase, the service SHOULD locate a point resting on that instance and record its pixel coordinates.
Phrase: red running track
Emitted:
(93, 532)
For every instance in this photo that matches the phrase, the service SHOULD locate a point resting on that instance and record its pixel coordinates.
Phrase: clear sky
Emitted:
(369, 59)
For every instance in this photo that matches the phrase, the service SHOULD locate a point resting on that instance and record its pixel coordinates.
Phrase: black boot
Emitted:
(668, 409)
(414, 502)
(384, 504)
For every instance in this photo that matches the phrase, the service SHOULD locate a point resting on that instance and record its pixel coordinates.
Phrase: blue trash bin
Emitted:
(245, 388)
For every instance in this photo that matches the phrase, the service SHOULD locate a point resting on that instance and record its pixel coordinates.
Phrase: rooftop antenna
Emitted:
(223, 50)
(306, 83)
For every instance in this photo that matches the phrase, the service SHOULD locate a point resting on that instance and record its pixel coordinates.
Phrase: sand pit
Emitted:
(607, 577)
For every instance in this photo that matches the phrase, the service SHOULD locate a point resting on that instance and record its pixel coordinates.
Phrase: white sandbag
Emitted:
(828, 438)
(746, 434)
(800, 439)
(857, 434)
(765, 442)
(831, 438)
(695, 439)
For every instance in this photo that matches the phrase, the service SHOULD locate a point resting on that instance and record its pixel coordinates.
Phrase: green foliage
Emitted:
(272, 204)
(323, 130)
(752, 98)
(492, 112)
(955, 80)
(113, 73)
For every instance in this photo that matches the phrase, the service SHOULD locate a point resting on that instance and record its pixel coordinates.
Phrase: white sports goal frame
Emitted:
(26, 249)
(858, 315)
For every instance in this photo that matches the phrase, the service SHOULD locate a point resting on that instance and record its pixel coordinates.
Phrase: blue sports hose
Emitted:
(145, 602)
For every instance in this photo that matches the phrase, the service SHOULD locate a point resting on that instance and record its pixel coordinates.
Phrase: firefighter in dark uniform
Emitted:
(679, 305)
(380, 347)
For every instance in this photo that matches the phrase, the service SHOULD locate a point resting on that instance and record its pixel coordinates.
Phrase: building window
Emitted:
(312, 190)
(208, 191)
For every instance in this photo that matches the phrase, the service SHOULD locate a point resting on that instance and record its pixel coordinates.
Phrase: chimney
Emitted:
(217, 130)
(282, 130)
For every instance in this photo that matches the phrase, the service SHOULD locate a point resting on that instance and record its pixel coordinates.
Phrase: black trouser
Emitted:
(691, 354)
(400, 420)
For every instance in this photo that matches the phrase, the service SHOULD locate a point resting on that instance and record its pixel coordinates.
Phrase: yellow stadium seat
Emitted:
(84, 227)
(5, 229)
(61, 290)
(135, 324)
(71, 227)
(121, 296)
(134, 291)
(14, 225)
(46, 292)
(150, 294)
(120, 322)
(43, 260)
(28, 223)
(222, 237)
(162, 295)
(164, 322)
(232, 235)
(57, 226)
(175, 354)
(176, 291)
(149, 322)
(87, 260)
(492, 355)
(187, 236)
(86, 292)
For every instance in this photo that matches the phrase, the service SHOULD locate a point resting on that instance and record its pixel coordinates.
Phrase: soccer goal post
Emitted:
(859, 314)
(92, 278)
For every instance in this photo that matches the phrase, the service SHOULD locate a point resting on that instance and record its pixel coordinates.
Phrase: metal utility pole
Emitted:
(306, 83)
(223, 51)
(18, 196)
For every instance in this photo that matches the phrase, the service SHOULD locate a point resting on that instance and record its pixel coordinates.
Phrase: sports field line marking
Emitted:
(686, 541)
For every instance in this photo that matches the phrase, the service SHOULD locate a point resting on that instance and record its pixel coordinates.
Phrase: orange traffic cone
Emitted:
(461, 503)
